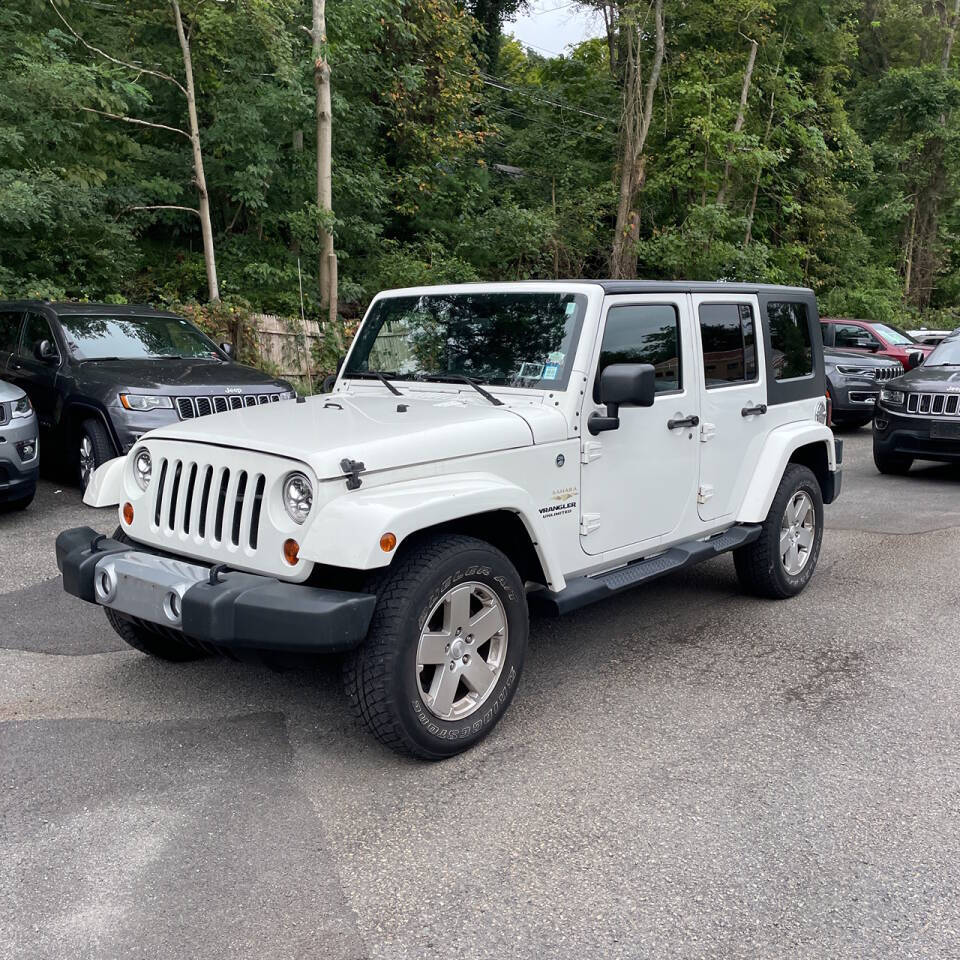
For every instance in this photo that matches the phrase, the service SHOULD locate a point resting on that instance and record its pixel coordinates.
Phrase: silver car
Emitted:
(19, 448)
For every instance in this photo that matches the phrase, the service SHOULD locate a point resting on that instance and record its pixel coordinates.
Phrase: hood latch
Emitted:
(352, 470)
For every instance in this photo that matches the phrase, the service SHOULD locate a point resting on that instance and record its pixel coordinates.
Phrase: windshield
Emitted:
(894, 335)
(947, 354)
(99, 337)
(508, 339)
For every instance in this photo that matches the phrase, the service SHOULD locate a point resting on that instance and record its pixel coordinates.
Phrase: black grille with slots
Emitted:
(188, 408)
(211, 503)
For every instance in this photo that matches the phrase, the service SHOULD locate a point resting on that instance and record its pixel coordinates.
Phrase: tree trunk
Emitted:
(321, 82)
(637, 116)
(206, 228)
(738, 125)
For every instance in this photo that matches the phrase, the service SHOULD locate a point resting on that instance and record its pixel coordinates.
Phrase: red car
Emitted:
(870, 337)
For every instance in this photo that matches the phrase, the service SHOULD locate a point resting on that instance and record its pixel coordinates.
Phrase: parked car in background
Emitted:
(853, 383)
(867, 336)
(19, 448)
(929, 338)
(918, 414)
(100, 376)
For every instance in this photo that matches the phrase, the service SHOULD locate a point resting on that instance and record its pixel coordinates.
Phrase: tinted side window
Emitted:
(643, 333)
(851, 335)
(729, 343)
(9, 329)
(790, 340)
(37, 329)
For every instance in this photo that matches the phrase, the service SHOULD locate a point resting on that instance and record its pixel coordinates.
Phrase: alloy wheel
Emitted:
(461, 651)
(798, 528)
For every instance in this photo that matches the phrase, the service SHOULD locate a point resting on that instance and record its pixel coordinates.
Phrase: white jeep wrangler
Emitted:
(487, 449)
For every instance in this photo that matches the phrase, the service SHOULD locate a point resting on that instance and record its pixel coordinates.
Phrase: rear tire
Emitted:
(415, 696)
(768, 567)
(94, 448)
(890, 463)
(12, 506)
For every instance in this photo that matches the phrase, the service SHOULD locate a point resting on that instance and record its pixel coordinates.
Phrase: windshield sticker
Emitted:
(556, 357)
(550, 372)
(571, 308)
(531, 371)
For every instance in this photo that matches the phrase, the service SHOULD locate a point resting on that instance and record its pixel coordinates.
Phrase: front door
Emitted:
(37, 377)
(638, 482)
(734, 400)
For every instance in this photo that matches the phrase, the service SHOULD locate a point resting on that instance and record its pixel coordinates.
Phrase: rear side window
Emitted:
(643, 333)
(9, 329)
(729, 344)
(790, 340)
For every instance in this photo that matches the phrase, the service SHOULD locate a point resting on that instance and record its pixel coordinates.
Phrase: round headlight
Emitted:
(298, 497)
(142, 468)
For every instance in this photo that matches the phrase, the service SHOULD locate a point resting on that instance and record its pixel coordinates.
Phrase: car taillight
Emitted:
(829, 408)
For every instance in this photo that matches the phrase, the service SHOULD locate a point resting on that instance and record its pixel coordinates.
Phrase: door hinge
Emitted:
(707, 431)
(590, 451)
(705, 492)
(588, 523)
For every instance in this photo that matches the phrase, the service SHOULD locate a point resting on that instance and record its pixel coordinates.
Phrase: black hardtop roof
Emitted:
(103, 309)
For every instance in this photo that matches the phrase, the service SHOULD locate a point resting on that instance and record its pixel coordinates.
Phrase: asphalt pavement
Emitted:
(685, 772)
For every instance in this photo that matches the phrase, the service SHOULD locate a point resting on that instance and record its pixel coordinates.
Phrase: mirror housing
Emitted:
(914, 359)
(45, 351)
(227, 348)
(623, 384)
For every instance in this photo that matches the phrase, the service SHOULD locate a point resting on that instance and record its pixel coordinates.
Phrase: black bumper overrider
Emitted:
(240, 611)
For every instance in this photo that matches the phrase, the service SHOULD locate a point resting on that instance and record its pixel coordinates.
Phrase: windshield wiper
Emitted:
(375, 375)
(461, 378)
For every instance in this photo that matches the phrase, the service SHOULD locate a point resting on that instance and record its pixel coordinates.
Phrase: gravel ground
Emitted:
(685, 772)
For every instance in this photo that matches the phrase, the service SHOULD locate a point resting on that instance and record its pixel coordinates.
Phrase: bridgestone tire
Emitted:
(381, 676)
(162, 644)
(101, 444)
(891, 464)
(758, 564)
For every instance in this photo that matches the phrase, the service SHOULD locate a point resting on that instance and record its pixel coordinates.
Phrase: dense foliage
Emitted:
(459, 156)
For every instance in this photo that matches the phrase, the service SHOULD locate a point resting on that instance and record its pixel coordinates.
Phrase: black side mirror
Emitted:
(227, 348)
(630, 384)
(914, 359)
(45, 351)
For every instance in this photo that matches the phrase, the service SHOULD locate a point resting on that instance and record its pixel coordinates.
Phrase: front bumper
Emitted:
(910, 436)
(226, 610)
(855, 396)
(18, 479)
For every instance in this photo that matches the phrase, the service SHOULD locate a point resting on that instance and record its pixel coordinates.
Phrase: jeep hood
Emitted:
(380, 432)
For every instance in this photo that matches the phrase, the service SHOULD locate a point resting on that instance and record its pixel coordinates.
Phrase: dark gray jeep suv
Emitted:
(100, 376)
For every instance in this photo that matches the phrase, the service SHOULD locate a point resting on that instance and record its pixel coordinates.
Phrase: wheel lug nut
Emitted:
(466, 658)
(469, 638)
(446, 649)
(453, 666)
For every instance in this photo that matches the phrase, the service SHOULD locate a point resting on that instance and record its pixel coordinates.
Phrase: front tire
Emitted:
(891, 463)
(446, 646)
(161, 644)
(94, 449)
(781, 561)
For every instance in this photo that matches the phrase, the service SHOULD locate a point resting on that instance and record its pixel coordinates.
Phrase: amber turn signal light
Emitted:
(387, 542)
(128, 513)
(291, 552)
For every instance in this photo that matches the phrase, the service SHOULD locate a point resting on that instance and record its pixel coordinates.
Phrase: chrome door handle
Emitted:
(756, 411)
(683, 422)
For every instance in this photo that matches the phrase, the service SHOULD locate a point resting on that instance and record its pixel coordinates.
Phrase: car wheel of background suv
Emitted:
(94, 448)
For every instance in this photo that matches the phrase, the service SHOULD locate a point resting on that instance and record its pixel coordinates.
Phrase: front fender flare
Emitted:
(777, 450)
(346, 532)
(105, 488)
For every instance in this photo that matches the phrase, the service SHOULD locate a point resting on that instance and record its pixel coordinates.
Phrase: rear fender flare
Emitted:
(779, 447)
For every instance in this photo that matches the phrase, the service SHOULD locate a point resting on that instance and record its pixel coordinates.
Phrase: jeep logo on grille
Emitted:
(232, 390)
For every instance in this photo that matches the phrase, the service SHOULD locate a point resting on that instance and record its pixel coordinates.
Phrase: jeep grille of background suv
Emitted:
(938, 404)
(190, 407)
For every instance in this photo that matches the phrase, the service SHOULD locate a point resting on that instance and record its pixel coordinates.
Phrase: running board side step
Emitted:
(585, 590)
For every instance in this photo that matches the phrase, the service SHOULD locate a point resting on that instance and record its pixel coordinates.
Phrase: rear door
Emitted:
(734, 399)
(10, 321)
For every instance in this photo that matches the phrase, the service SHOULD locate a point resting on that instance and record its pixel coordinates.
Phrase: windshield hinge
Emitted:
(352, 470)
(590, 451)
(705, 492)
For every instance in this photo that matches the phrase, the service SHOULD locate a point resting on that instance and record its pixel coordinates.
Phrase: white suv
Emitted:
(487, 449)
